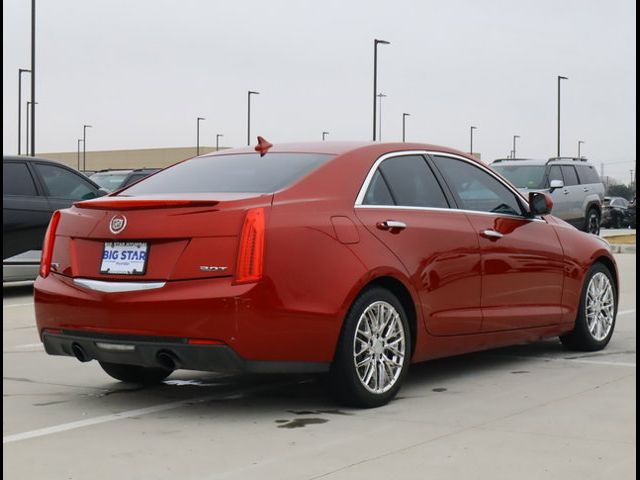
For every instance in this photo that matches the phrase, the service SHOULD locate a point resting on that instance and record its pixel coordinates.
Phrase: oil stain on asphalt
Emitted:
(300, 422)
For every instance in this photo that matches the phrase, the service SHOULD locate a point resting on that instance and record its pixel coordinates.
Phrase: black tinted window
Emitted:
(555, 173)
(378, 192)
(476, 189)
(134, 179)
(63, 183)
(588, 174)
(569, 174)
(16, 180)
(412, 182)
(247, 172)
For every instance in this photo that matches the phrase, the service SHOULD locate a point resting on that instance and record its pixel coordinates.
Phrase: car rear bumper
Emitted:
(164, 352)
(251, 319)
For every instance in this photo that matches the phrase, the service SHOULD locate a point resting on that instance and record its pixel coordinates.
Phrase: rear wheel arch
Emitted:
(400, 290)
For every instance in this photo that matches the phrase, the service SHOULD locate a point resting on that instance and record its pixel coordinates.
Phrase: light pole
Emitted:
(471, 140)
(198, 135)
(404, 117)
(580, 142)
(249, 93)
(514, 145)
(380, 96)
(324, 134)
(20, 72)
(559, 78)
(33, 78)
(84, 146)
(218, 135)
(29, 113)
(375, 79)
(79, 141)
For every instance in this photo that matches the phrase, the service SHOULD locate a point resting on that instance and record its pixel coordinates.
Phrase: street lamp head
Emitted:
(406, 114)
(251, 92)
(560, 77)
(24, 70)
(516, 136)
(87, 126)
(383, 42)
(201, 118)
(473, 128)
(381, 95)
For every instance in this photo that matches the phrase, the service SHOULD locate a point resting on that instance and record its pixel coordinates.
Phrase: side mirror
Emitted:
(540, 203)
(555, 184)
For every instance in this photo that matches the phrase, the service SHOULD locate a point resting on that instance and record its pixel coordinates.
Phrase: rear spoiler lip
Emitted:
(141, 204)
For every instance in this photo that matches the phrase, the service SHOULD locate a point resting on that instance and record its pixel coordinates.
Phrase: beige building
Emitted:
(125, 159)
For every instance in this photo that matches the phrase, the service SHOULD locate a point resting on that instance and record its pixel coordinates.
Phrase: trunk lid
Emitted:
(186, 236)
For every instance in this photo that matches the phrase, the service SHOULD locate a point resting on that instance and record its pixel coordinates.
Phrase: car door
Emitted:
(575, 195)
(404, 206)
(25, 214)
(522, 260)
(64, 186)
(561, 202)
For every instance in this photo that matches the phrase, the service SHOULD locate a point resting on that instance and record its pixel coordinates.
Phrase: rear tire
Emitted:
(373, 353)
(596, 317)
(135, 373)
(592, 222)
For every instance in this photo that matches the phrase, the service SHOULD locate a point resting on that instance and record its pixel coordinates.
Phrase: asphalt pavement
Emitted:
(527, 412)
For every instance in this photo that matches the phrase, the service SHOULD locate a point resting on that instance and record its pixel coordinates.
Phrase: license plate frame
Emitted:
(117, 265)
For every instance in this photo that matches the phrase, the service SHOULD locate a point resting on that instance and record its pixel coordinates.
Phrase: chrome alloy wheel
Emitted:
(379, 347)
(599, 306)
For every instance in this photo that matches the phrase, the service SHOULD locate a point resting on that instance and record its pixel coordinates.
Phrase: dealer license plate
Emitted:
(124, 258)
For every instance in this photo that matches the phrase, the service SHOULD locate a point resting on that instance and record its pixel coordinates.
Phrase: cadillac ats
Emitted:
(353, 260)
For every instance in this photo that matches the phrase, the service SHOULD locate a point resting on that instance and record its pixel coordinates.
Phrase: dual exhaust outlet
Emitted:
(165, 358)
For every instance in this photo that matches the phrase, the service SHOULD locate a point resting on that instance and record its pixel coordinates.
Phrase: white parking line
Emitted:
(624, 312)
(26, 346)
(134, 413)
(17, 305)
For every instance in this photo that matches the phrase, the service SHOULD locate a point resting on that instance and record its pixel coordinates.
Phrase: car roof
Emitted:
(23, 158)
(542, 162)
(339, 148)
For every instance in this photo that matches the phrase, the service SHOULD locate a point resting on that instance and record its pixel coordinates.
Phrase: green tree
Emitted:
(623, 191)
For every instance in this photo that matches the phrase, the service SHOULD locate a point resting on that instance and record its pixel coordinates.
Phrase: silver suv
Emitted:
(573, 183)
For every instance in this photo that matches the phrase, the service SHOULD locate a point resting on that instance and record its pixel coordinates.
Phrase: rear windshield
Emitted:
(248, 172)
(110, 181)
(523, 176)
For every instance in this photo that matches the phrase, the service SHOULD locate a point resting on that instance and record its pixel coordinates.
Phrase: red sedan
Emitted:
(350, 259)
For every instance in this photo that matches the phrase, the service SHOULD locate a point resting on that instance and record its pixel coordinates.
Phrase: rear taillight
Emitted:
(251, 250)
(47, 245)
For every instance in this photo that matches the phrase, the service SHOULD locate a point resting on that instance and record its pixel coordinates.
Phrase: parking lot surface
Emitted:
(528, 412)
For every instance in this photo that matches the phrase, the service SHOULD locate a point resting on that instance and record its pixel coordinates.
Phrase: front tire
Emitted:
(135, 373)
(373, 353)
(597, 312)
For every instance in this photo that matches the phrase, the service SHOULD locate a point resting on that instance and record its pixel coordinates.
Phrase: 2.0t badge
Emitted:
(117, 224)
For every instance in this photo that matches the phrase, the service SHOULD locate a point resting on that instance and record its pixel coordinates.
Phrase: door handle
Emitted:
(566, 192)
(391, 225)
(585, 189)
(491, 234)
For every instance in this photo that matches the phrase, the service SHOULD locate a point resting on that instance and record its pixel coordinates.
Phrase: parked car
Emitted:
(632, 213)
(616, 213)
(574, 185)
(349, 259)
(32, 189)
(113, 180)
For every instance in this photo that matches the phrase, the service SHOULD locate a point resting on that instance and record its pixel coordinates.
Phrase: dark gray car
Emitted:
(32, 189)
(574, 185)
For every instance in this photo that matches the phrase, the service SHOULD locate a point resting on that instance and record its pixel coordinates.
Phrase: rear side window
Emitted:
(569, 174)
(63, 183)
(378, 192)
(410, 181)
(16, 180)
(588, 174)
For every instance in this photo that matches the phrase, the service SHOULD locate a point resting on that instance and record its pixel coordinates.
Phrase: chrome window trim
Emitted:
(116, 287)
(382, 158)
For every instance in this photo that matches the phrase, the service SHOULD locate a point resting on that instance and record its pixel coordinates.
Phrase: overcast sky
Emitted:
(141, 71)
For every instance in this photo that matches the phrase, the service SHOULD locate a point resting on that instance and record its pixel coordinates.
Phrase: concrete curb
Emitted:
(623, 248)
